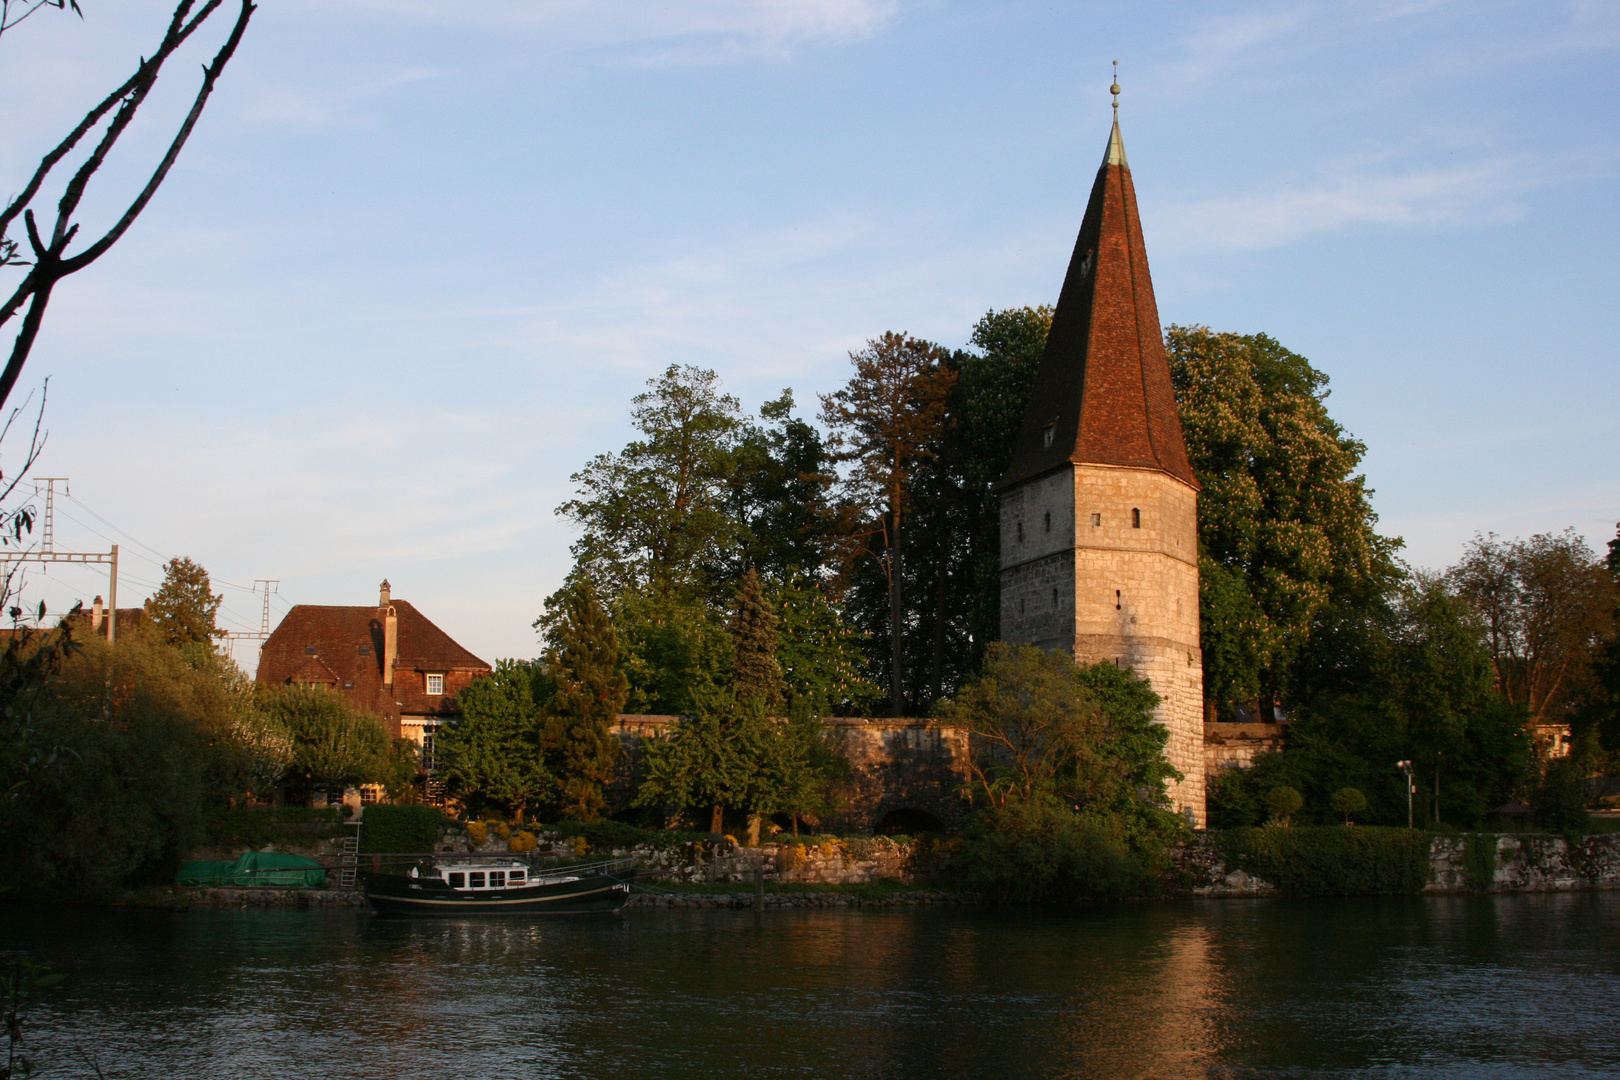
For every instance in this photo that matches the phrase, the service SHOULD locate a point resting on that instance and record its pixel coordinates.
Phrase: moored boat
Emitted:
(502, 887)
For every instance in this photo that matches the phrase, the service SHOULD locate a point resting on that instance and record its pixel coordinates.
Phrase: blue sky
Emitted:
(418, 256)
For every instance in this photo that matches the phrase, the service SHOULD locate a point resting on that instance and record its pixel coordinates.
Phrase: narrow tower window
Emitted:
(1136, 518)
(1054, 598)
(1049, 521)
(1020, 532)
(1117, 601)
(1096, 519)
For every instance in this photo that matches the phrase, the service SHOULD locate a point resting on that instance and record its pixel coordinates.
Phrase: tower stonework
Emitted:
(1099, 508)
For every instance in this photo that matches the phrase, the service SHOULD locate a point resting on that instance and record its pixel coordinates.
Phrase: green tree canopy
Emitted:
(335, 744)
(655, 514)
(494, 751)
(183, 609)
(1041, 726)
(756, 675)
(1284, 520)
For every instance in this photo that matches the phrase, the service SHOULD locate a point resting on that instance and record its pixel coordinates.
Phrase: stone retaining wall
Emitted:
(1525, 862)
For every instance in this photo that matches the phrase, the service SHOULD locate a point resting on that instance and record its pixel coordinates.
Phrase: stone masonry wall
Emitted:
(1524, 863)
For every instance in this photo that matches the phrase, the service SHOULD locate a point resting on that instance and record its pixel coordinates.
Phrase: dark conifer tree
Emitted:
(756, 674)
(183, 608)
(583, 661)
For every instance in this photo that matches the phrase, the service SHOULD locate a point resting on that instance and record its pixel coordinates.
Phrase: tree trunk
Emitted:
(896, 620)
(715, 816)
(937, 682)
(795, 824)
(753, 830)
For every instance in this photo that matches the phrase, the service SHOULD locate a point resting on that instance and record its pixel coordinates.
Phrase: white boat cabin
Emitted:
(488, 875)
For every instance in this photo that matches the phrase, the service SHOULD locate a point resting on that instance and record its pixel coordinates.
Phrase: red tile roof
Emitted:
(1103, 389)
(343, 646)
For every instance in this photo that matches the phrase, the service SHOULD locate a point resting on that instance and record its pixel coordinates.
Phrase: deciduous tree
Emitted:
(493, 752)
(1284, 520)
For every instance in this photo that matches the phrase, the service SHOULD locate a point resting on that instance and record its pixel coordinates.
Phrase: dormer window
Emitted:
(435, 684)
(365, 650)
(1046, 437)
(309, 650)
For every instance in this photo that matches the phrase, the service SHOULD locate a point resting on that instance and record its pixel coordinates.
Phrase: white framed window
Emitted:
(435, 684)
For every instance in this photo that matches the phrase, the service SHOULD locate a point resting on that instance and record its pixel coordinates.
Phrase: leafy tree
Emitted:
(582, 661)
(1347, 801)
(334, 744)
(183, 609)
(147, 740)
(1548, 607)
(494, 751)
(1041, 726)
(701, 763)
(887, 420)
(1284, 521)
(51, 260)
(820, 654)
(1283, 802)
(1409, 679)
(655, 515)
(756, 676)
(674, 650)
(778, 493)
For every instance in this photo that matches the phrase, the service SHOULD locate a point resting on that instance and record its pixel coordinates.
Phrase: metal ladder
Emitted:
(349, 857)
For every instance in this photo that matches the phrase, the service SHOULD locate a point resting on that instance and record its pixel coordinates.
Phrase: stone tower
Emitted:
(1099, 508)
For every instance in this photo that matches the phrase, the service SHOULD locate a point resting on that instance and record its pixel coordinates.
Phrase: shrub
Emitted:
(399, 829)
(618, 834)
(1559, 802)
(477, 832)
(1347, 801)
(1039, 852)
(1283, 802)
(255, 827)
(1329, 860)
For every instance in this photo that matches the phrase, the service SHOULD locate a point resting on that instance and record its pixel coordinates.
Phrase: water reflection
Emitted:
(1477, 986)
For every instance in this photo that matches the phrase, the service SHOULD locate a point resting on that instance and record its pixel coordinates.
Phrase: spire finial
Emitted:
(1115, 89)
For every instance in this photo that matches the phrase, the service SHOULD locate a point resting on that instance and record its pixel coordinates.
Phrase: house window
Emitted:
(1096, 519)
(435, 684)
(369, 794)
(1136, 518)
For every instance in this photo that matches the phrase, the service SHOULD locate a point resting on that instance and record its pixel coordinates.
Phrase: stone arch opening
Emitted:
(907, 821)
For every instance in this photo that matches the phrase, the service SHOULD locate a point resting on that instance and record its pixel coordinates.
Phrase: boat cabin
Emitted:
(487, 875)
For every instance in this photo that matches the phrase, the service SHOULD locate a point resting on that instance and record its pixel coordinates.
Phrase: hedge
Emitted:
(1331, 860)
(385, 828)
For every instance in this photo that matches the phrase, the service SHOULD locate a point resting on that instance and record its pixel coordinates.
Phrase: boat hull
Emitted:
(393, 894)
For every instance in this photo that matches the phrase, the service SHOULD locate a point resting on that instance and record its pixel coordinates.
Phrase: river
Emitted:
(1505, 986)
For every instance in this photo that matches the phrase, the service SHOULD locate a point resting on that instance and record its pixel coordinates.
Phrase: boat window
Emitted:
(497, 879)
(458, 881)
(515, 876)
(476, 880)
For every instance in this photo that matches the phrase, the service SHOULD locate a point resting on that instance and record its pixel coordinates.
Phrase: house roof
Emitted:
(1102, 394)
(344, 645)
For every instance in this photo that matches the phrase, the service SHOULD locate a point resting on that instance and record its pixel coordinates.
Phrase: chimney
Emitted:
(386, 594)
(390, 641)
(95, 616)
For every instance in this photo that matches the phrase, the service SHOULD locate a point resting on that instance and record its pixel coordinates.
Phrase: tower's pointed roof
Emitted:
(1102, 395)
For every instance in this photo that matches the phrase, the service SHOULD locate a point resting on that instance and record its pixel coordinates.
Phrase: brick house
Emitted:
(389, 660)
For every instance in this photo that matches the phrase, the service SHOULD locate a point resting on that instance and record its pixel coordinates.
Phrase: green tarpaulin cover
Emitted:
(265, 868)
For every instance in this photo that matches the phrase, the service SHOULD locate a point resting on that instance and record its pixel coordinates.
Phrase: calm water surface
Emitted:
(1463, 987)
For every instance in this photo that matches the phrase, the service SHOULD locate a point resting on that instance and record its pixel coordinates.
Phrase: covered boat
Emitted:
(261, 869)
(502, 887)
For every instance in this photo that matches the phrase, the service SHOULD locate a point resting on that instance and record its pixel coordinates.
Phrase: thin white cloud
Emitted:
(1424, 197)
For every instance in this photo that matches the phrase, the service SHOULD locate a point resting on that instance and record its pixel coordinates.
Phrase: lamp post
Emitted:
(1411, 786)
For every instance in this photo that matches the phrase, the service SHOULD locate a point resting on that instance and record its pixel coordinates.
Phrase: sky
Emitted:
(418, 257)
